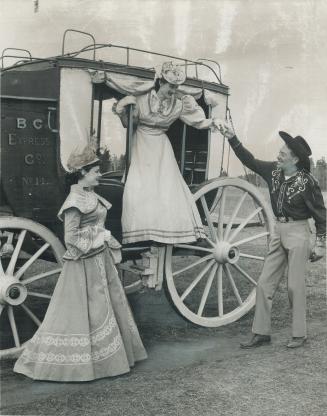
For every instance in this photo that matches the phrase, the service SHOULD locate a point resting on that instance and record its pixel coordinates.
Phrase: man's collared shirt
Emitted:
(299, 197)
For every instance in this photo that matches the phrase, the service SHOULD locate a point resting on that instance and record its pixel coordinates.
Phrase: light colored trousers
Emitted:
(290, 246)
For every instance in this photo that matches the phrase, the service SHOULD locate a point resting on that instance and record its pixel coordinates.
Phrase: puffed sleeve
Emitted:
(120, 110)
(193, 115)
(80, 241)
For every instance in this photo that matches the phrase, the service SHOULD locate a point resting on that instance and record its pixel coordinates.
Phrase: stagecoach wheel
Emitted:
(30, 262)
(212, 282)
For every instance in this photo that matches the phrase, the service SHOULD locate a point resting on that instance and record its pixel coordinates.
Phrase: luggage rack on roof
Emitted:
(31, 59)
(96, 46)
(128, 49)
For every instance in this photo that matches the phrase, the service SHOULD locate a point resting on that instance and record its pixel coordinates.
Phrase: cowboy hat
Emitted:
(299, 147)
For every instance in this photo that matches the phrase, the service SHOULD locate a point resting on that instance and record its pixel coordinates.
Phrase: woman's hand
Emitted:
(217, 123)
(107, 235)
(129, 99)
(111, 241)
(114, 244)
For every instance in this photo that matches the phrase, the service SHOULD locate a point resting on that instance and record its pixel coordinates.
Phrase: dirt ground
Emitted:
(197, 371)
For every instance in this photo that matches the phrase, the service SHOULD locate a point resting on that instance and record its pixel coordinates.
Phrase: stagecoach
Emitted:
(49, 107)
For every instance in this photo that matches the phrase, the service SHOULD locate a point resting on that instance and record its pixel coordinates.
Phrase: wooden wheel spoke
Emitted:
(41, 276)
(253, 237)
(2, 272)
(193, 248)
(216, 201)
(39, 295)
(235, 212)
(13, 326)
(232, 282)
(15, 254)
(208, 218)
(29, 262)
(243, 223)
(197, 279)
(28, 312)
(250, 256)
(220, 290)
(246, 275)
(213, 245)
(220, 229)
(191, 266)
(207, 290)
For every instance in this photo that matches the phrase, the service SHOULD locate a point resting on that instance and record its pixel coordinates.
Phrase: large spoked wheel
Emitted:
(30, 262)
(212, 282)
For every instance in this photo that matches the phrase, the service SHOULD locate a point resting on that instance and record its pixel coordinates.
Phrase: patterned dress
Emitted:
(88, 331)
(157, 203)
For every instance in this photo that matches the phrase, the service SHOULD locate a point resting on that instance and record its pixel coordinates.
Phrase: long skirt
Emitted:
(157, 203)
(88, 331)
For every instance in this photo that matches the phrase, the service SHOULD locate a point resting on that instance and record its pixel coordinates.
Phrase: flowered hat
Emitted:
(81, 158)
(173, 74)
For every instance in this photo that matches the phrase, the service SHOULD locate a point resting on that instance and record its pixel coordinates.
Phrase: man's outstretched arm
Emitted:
(261, 167)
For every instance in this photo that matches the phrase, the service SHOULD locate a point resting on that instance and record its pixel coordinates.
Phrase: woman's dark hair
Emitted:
(74, 177)
(158, 83)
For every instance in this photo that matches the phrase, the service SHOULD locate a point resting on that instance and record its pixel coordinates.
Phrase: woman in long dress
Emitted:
(88, 331)
(157, 203)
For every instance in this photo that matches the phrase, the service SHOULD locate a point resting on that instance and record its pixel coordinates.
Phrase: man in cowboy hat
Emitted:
(295, 197)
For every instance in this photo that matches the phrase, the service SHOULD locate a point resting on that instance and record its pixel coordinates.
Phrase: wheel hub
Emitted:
(225, 253)
(12, 291)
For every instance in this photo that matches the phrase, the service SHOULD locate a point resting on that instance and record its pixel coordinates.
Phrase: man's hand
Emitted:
(226, 129)
(317, 253)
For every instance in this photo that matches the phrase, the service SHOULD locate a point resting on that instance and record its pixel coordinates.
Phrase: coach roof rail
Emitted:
(95, 46)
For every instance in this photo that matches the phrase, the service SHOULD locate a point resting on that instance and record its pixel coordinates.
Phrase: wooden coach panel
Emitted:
(29, 172)
(43, 84)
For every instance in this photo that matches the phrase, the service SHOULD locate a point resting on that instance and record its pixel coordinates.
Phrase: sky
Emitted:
(272, 53)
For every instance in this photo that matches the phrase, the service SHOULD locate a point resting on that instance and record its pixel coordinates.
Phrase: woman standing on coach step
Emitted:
(157, 203)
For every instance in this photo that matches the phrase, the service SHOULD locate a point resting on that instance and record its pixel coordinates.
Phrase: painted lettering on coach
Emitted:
(29, 143)
(30, 175)
(29, 155)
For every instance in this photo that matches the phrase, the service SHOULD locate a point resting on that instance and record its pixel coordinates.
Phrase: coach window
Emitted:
(112, 134)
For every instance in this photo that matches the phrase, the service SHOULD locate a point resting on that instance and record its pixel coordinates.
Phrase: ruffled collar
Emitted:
(163, 107)
(84, 200)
